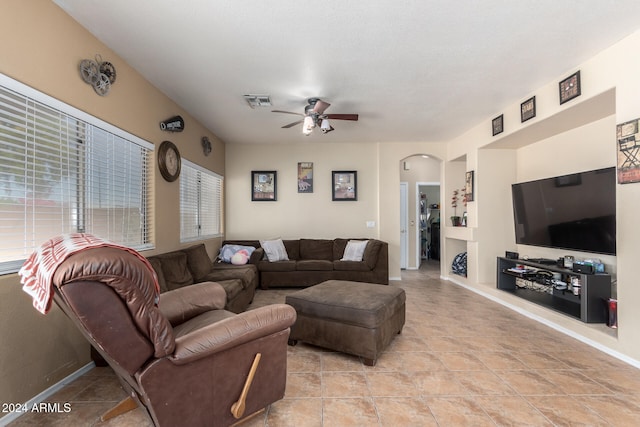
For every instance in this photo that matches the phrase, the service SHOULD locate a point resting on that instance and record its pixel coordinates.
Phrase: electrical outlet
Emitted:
(371, 224)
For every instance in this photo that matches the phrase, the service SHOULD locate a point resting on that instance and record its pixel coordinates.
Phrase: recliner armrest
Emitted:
(182, 304)
(232, 332)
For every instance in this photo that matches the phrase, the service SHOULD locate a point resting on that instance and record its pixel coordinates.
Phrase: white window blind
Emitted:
(64, 171)
(201, 201)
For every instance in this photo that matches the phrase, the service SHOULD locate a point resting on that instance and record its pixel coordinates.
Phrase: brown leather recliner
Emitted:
(186, 360)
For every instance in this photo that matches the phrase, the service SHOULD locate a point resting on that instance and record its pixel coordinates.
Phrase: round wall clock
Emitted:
(169, 161)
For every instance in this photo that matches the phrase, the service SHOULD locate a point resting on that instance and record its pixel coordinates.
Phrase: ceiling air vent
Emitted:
(258, 100)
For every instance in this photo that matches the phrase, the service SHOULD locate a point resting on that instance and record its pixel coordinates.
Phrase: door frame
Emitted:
(404, 222)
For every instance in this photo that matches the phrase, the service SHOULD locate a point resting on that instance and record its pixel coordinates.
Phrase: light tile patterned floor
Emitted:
(461, 360)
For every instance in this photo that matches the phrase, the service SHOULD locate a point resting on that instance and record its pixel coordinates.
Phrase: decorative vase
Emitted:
(455, 220)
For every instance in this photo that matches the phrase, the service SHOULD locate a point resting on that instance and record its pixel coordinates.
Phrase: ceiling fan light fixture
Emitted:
(308, 125)
(326, 127)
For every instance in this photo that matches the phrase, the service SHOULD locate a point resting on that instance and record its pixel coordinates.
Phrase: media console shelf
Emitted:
(589, 306)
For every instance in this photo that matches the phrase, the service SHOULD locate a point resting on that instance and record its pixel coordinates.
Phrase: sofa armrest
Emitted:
(232, 332)
(182, 304)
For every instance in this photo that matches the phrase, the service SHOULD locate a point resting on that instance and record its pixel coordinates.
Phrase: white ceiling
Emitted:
(414, 70)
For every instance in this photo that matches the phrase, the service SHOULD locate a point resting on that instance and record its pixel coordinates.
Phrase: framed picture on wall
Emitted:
(528, 109)
(497, 125)
(570, 87)
(468, 186)
(628, 147)
(344, 185)
(305, 177)
(264, 186)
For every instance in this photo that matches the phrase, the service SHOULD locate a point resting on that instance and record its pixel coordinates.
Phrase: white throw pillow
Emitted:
(275, 250)
(354, 250)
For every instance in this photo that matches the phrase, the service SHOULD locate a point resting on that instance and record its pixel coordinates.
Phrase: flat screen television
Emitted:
(575, 212)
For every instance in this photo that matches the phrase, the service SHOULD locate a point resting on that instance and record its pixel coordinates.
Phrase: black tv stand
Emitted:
(589, 306)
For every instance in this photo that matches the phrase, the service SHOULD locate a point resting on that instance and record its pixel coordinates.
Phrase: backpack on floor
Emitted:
(459, 264)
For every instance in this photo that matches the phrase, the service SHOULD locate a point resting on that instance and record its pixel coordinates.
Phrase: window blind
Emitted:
(201, 201)
(64, 171)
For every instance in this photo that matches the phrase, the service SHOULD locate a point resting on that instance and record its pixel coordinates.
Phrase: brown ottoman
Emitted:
(352, 317)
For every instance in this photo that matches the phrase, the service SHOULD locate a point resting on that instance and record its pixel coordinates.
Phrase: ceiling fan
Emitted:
(314, 116)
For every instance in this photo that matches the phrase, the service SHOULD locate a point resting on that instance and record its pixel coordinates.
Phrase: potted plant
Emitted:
(455, 219)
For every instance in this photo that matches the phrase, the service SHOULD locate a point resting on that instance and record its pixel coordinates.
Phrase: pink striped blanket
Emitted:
(37, 271)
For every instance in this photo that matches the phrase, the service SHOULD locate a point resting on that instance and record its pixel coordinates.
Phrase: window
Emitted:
(64, 171)
(201, 203)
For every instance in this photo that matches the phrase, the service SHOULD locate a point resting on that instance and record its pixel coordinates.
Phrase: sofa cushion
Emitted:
(175, 269)
(274, 250)
(338, 248)
(293, 248)
(156, 263)
(316, 249)
(248, 274)
(350, 266)
(371, 253)
(277, 266)
(232, 287)
(198, 261)
(314, 265)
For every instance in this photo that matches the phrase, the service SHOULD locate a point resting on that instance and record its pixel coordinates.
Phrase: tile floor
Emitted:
(461, 360)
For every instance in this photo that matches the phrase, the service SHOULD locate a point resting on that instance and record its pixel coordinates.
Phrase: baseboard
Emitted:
(48, 392)
(633, 362)
(395, 278)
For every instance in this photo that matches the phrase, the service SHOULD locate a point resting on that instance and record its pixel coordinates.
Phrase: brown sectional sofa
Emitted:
(193, 265)
(312, 261)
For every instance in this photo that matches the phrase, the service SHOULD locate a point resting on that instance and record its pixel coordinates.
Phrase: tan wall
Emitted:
(315, 215)
(297, 215)
(42, 48)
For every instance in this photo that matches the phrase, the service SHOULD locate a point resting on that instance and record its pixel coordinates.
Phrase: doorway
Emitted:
(419, 218)
(428, 234)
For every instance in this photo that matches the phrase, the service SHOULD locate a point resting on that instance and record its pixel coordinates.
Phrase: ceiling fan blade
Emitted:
(290, 125)
(287, 112)
(320, 106)
(342, 117)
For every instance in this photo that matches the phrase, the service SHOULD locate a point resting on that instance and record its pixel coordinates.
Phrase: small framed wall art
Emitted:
(528, 109)
(305, 177)
(628, 137)
(344, 185)
(570, 87)
(264, 186)
(497, 124)
(468, 186)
